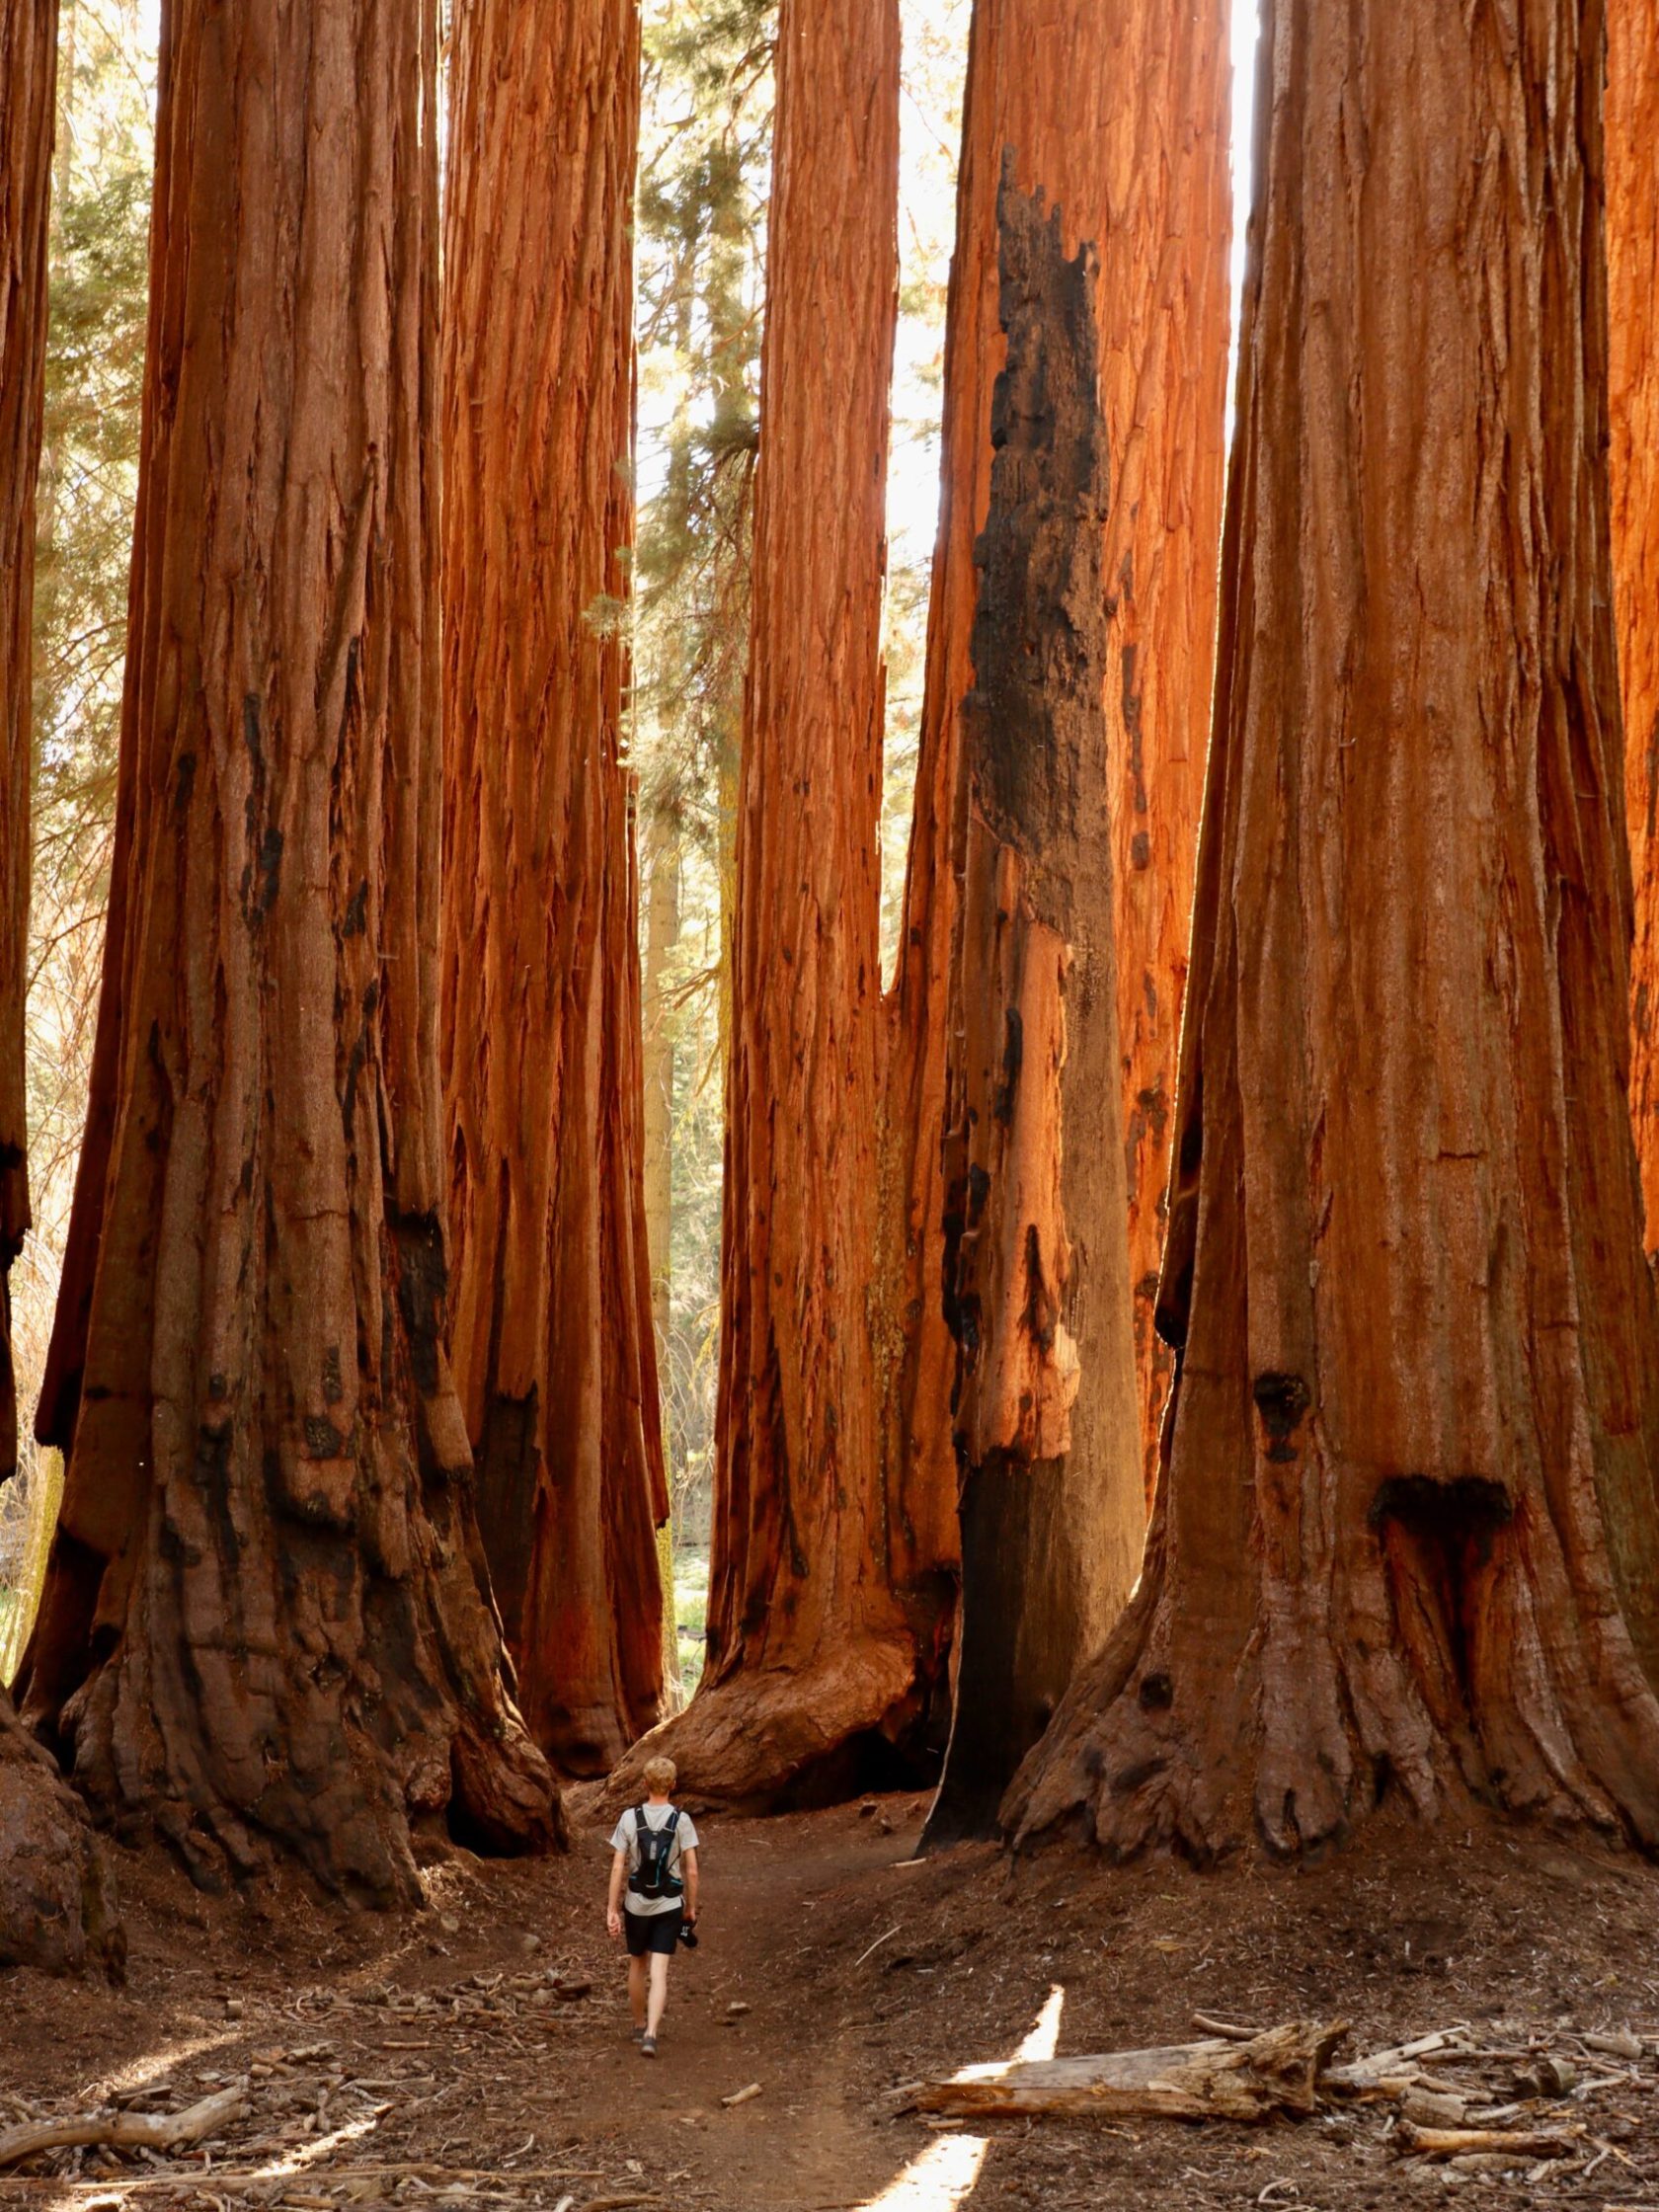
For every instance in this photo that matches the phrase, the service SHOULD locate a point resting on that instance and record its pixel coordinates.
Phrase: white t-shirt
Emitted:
(625, 1838)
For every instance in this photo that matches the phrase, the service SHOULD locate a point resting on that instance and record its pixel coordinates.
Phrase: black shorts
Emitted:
(652, 1931)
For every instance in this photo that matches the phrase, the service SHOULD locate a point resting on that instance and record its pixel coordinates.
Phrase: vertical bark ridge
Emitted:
(1404, 1268)
(552, 1331)
(660, 1061)
(1037, 1285)
(263, 1623)
(1119, 113)
(28, 72)
(1632, 201)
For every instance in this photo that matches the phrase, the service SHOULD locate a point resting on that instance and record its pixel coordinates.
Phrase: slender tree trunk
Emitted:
(552, 1336)
(662, 1053)
(809, 1651)
(661, 1063)
(263, 1622)
(29, 75)
(1632, 201)
(1118, 112)
(1404, 1546)
(1037, 1279)
(56, 1900)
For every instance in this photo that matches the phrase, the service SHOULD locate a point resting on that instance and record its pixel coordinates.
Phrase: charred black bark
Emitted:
(1037, 1292)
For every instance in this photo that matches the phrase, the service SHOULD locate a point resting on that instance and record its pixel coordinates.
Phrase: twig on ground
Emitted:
(877, 1944)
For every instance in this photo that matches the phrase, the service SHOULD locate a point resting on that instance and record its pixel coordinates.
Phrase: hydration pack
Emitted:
(651, 1878)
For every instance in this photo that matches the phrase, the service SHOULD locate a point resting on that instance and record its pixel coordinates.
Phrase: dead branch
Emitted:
(1453, 2142)
(126, 2131)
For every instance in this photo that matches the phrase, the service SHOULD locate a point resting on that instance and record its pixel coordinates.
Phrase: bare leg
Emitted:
(659, 1990)
(636, 1990)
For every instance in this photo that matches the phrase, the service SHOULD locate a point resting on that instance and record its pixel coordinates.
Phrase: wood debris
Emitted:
(1276, 2072)
(1481, 2106)
(126, 2131)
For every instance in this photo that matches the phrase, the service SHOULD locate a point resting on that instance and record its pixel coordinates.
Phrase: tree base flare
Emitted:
(778, 1739)
(1440, 1671)
(57, 1894)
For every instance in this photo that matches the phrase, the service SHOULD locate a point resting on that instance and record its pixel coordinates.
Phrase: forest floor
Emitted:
(434, 2059)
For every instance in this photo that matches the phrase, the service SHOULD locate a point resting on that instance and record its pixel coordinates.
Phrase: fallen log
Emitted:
(126, 2131)
(1412, 2141)
(1279, 2071)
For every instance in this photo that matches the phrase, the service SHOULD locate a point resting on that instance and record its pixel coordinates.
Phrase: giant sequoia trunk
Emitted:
(1118, 111)
(264, 1621)
(1037, 1286)
(552, 1336)
(1404, 1544)
(810, 1650)
(1632, 201)
(56, 1903)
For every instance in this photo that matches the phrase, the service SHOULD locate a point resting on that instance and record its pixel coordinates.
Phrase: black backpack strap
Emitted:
(673, 1821)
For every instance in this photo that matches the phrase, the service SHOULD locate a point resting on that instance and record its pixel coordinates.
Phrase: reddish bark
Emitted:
(28, 73)
(1119, 115)
(1405, 1547)
(811, 1655)
(1037, 1280)
(1632, 201)
(552, 1333)
(263, 1623)
(57, 1903)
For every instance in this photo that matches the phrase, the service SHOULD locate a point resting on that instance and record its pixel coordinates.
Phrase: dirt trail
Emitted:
(809, 2139)
(444, 2042)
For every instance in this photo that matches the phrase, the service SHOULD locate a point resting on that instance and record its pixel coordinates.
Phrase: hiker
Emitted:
(655, 1849)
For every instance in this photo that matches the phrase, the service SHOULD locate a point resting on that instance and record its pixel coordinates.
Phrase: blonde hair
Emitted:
(661, 1775)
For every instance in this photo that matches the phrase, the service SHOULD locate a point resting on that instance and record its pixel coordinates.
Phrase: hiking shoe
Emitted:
(647, 2046)
(638, 2034)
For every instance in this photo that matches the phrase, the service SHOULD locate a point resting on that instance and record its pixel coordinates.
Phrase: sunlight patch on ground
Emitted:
(945, 2176)
(101, 2196)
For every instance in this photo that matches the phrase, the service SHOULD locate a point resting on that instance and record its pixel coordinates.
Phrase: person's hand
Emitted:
(613, 1920)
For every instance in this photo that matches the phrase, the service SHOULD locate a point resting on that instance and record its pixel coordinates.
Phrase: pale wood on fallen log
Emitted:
(1228, 2030)
(126, 2131)
(1369, 2072)
(1279, 2071)
(1451, 2142)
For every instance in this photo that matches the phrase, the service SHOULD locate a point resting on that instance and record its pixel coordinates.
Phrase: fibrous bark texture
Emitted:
(1037, 1286)
(659, 1053)
(552, 1334)
(1633, 249)
(27, 102)
(809, 1646)
(57, 1897)
(1404, 1546)
(1119, 113)
(264, 1620)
